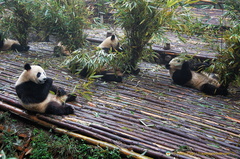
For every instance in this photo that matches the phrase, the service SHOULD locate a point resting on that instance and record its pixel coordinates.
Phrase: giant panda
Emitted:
(181, 74)
(111, 43)
(9, 44)
(37, 92)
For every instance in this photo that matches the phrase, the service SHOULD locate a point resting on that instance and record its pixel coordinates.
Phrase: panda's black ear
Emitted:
(27, 67)
(112, 37)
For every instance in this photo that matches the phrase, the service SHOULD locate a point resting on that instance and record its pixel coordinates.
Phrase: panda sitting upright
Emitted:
(37, 93)
(9, 44)
(181, 74)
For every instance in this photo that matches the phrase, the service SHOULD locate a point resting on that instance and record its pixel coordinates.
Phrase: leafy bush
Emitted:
(233, 7)
(228, 61)
(66, 147)
(140, 20)
(17, 19)
(93, 60)
(65, 19)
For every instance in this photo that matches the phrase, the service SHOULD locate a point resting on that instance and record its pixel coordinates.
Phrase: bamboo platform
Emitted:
(145, 116)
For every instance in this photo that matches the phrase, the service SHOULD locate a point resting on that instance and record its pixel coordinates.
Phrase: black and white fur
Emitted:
(181, 74)
(37, 92)
(111, 43)
(9, 44)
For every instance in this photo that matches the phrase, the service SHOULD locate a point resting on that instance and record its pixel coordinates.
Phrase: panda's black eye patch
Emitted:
(38, 74)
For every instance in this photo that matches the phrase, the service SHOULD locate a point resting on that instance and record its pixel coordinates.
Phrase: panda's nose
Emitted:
(44, 79)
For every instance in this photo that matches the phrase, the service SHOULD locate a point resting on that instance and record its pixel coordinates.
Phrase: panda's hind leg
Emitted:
(19, 47)
(213, 90)
(58, 109)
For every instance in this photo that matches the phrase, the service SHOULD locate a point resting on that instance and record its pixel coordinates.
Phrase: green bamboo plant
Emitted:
(141, 19)
(66, 19)
(228, 61)
(92, 59)
(17, 19)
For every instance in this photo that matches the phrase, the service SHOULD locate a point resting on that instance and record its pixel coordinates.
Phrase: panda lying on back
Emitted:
(181, 74)
(37, 93)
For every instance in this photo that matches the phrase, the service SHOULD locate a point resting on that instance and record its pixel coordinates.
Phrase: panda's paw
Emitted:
(222, 91)
(61, 92)
(49, 81)
(69, 109)
(71, 97)
(185, 66)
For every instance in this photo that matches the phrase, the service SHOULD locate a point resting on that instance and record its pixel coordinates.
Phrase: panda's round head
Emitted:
(175, 63)
(32, 73)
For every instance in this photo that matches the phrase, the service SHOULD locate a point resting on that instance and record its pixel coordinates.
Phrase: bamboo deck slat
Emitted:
(145, 114)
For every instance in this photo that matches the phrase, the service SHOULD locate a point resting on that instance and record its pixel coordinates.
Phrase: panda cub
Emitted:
(181, 74)
(9, 44)
(37, 92)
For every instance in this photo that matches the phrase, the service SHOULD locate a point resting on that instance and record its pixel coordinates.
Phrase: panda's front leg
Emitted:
(58, 91)
(185, 66)
(46, 86)
(48, 83)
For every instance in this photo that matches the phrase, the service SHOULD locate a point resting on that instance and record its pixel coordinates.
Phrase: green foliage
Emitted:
(47, 145)
(233, 7)
(17, 19)
(93, 60)
(8, 137)
(8, 141)
(140, 20)
(66, 147)
(64, 18)
(228, 61)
